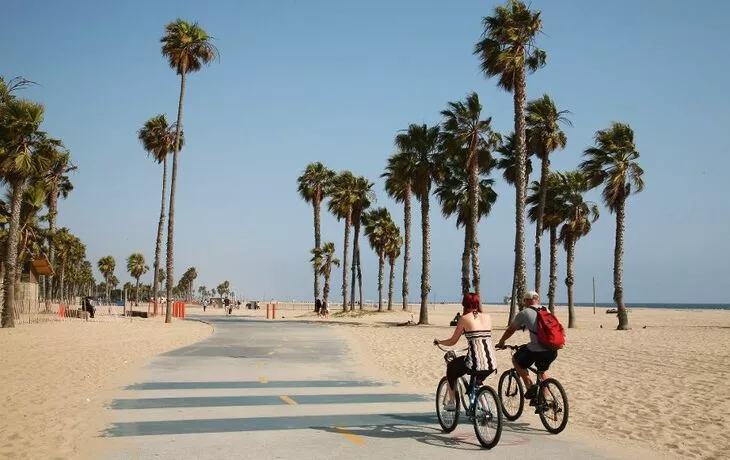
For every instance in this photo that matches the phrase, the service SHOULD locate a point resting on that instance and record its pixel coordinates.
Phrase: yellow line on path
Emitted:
(270, 353)
(352, 437)
(263, 379)
(288, 400)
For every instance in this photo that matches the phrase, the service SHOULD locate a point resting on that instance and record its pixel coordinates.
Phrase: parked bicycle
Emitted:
(551, 402)
(480, 402)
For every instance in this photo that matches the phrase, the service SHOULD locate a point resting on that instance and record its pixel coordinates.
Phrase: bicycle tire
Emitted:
(511, 395)
(553, 407)
(488, 411)
(447, 419)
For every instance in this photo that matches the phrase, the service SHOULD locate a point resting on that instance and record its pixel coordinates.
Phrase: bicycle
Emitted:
(551, 402)
(481, 405)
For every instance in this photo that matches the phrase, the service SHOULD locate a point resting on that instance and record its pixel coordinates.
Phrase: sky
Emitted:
(335, 81)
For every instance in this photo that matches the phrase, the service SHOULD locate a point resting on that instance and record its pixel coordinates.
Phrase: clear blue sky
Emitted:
(334, 81)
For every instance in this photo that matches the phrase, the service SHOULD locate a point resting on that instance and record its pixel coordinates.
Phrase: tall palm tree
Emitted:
(398, 175)
(507, 50)
(508, 164)
(58, 185)
(466, 132)
(579, 215)
(324, 258)
(365, 197)
(392, 252)
(20, 160)
(187, 47)
(342, 198)
(544, 137)
(106, 266)
(613, 164)
(158, 139)
(378, 228)
(453, 194)
(553, 215)
(422, 142)
(313, 185)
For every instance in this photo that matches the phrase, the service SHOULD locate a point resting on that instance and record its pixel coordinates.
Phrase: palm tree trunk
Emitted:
(171, 219)
(513, 300)
(544, 170)
(359, 277)
(2, 277)
(618, 255)
(473, 184)
(160, 227)
(326, 290)
(52, 213)
(553, 268)
(465, 259)
(345, 261)
(426, 256)
(570, 279)
(520, 185)
(316, 206)
(355, 255)
(136, 292)
(11, 254)
(390, 283)
(407, 243)
(62, 283)
(381, 266)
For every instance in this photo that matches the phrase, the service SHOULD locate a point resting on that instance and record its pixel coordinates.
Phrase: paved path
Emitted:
(258, 389)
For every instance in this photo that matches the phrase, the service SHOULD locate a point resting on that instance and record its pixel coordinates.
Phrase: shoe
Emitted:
(531, 392)
(450, 406)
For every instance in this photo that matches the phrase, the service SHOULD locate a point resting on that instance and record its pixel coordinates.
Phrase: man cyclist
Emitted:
(533, 352)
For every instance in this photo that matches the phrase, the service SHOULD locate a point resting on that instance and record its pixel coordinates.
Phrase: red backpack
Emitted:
(550, 332)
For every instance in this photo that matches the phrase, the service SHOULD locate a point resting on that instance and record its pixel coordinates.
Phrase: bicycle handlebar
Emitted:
(443, 348)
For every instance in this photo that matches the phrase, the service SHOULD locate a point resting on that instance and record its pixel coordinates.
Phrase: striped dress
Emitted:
(480, 354)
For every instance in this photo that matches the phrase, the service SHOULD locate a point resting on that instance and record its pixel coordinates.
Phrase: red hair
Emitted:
(471, 303)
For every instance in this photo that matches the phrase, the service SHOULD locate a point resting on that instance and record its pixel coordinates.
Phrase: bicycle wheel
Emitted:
(487, 417)
(448, 419)
(552, 405)
(511, 394)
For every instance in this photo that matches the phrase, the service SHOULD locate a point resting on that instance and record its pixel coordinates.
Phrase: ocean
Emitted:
(680, 306)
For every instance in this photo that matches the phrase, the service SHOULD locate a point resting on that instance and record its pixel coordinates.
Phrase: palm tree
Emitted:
(508, 50)
(106, 266)
(398, 175)
(422, 142)
(579, 215)
(453, 195)
(342, 199)
(58, 185)
(544, 137)
(365, 197)
(158, 139)
(553, 215)
(392, 252)
(313, 185)
(612, 163)
(508, 164)
(20, 160)
(187, 47)
(324, 258)
(378, 228)
(465, 133)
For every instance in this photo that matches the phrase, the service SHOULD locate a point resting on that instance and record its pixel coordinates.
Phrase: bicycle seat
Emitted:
(481, 374)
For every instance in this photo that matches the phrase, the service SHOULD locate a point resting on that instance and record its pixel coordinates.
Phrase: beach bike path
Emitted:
(267, 389)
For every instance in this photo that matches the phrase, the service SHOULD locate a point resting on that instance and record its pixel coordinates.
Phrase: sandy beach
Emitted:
(56, 377)
(663, 385)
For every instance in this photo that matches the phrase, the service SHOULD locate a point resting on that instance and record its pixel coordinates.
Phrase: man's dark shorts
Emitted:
(541, 359)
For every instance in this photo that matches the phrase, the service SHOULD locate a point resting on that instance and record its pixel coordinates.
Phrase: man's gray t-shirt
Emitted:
(528, 318)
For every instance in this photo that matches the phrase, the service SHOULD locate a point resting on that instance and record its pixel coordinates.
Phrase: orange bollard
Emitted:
(183, 311)
(267, 311)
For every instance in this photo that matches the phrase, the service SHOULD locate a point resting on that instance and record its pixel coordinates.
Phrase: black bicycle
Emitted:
(551, 402)
(481, 405)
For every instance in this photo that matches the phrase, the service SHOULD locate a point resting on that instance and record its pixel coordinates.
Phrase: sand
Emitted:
(56, 377)
(663, 386)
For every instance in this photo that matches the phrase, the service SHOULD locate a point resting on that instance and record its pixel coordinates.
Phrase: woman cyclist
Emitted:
(480, 357)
